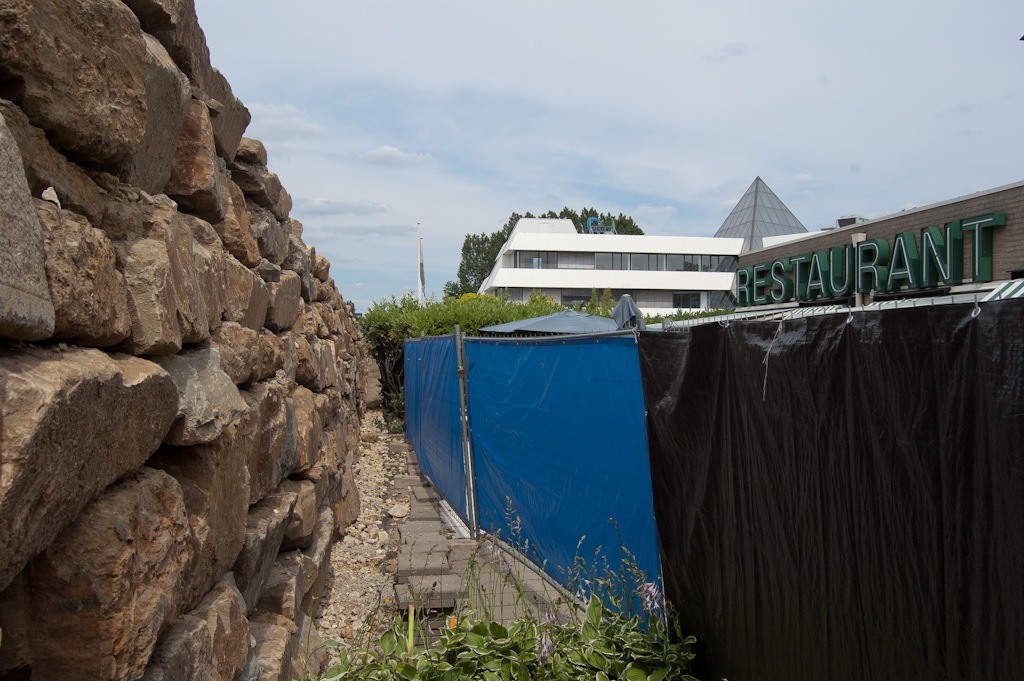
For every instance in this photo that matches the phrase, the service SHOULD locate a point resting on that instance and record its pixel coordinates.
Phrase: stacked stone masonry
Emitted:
(180, 379)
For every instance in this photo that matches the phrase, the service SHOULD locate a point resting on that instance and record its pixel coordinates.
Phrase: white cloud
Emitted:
(304, 206)
(281, 122)
(646, 212)
(807, 180)
(372, 232)
(394, 157)
(728, 51)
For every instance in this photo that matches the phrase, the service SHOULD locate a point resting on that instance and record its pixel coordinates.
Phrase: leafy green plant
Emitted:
(604, 645)
(608, 639)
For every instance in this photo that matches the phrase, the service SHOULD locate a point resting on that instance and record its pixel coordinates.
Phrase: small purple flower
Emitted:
(546, 646)
(651, 596)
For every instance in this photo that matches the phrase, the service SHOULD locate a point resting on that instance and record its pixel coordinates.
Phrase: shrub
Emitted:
(389, 322)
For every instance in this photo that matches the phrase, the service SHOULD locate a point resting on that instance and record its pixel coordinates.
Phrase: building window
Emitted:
(575, 261)
(537, 260)
(686, 299)
(661, 262)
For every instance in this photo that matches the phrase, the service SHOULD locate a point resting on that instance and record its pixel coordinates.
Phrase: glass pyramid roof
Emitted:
(758, 214)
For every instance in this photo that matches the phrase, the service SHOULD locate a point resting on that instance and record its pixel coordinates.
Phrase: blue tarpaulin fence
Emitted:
(558, 439)
(434, 401)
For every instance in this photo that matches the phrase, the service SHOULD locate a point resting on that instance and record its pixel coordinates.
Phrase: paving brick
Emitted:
(422, 510)
(405, 481)
(425, 493)
(415, 563)
(431, 592)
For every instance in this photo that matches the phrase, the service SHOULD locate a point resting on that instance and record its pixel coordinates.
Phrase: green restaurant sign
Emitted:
(873, 265)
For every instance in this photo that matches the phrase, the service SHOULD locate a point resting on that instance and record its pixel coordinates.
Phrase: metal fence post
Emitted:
(467, 448)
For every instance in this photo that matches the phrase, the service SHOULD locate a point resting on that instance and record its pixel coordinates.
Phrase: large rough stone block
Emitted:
(325, 370)
(290, 443)
(175, 25)
(165, 297)
(321, 268)
(152, 301)
(307, 363)
(267, 465)
(195, 178)
(240, 350)
(285, 586)
(185, 653)
(273, 651)
(235, 229)
(26, 312)
(110, 582)
(209, 266)
(272, 355)
(234, 118)
(214, 481)
(264, 530)
(207, 397)
(346, 509)
(299, 532)
(81, 71)
(223, 611)
(247, 295)
(317, 560)
(310, 429)
(168, 94)
(285, 297)
(208, 255)
(89, 296)
(47, 167)
(73, 423)
(290, 365)
(300, 260)
(262, 186)
(335, 327)
(252, 151)
(271, 234)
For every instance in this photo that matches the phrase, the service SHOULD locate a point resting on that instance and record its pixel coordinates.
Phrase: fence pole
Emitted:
(467, 448)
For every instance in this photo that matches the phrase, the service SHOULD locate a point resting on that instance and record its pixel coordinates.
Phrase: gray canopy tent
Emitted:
(564, 322)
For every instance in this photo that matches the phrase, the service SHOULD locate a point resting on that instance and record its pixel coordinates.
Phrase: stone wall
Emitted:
(180, 379)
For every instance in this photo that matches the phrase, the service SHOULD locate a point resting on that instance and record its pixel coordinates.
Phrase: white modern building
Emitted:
(661, 273)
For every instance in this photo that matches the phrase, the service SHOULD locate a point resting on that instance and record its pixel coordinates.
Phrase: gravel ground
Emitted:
(359, 603)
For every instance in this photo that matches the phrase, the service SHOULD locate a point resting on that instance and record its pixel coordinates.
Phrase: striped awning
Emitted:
(1011, 289)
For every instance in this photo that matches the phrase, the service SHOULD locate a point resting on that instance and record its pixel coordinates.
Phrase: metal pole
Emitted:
(858, 297)
(467, 448)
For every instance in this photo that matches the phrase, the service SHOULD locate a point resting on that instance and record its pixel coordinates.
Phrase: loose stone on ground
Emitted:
(359, 591)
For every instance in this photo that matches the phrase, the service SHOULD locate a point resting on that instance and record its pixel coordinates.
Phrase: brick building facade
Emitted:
(1007, 240)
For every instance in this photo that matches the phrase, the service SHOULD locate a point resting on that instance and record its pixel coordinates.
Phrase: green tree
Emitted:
(624, 224)
(479, 251)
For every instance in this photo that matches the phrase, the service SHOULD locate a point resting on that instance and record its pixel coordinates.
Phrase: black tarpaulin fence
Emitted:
(854, 507)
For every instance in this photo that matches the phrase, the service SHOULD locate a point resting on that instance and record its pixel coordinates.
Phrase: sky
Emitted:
(379, 116)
